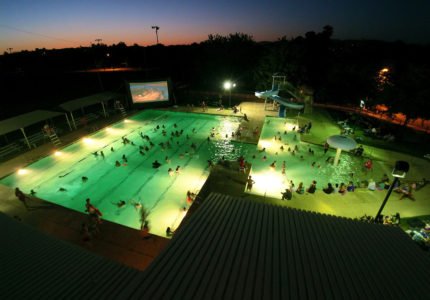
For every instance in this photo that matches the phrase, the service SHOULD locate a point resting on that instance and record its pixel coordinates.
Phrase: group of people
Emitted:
(306, 128)
(405, 190)
(339, 188)
(144, 149)
(288, 193)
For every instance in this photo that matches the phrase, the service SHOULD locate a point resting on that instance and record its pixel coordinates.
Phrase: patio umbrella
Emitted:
(341, 142)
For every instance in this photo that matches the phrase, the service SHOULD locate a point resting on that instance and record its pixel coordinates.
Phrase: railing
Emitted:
(384, 117)
(10, 150)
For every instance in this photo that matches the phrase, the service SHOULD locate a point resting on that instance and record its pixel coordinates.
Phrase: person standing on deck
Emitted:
(250, 182)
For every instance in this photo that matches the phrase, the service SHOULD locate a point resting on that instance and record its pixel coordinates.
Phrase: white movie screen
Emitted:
(144, 92)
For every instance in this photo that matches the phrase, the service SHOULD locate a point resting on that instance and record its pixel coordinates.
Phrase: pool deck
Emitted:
(126, 245)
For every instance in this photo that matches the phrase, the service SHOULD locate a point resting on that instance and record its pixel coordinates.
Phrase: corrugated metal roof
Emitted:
(230, 248)
(36, 266)
(27, 119)
(89, 100)
(236, 249)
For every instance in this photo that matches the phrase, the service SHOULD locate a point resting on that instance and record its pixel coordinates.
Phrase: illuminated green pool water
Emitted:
(303, 166)
(135, 181)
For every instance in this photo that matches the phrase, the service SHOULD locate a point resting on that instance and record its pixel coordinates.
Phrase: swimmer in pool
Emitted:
(137, 205)
(156, 164)
(120, 204)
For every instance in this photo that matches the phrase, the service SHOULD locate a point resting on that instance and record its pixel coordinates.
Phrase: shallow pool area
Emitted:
(304, 162)
(187, 140)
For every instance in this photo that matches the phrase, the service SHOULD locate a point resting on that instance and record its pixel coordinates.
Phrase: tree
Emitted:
(409, 92)
(304, 61)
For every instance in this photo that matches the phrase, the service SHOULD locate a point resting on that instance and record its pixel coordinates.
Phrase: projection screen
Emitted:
(146, 92)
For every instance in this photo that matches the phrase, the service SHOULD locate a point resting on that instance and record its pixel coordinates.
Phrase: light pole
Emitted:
(228, 85)
(156, 31)
(399, 171)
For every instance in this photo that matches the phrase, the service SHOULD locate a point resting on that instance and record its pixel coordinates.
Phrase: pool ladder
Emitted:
(54, 139)
(118, 105)
(123, 112)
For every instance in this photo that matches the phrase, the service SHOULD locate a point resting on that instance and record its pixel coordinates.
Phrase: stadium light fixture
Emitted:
(228, 85)
(399, 171)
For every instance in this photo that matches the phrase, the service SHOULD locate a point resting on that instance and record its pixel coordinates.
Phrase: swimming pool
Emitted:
(302, 166)
(58, 178)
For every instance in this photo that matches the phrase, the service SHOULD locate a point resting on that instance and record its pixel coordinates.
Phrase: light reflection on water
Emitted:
(230, 150)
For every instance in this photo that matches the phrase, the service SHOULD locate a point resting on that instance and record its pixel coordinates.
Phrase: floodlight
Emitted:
(400, 169)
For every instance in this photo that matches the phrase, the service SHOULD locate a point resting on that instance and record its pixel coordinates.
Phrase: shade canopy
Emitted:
(89, 100)
(342, 142)
(25, 120)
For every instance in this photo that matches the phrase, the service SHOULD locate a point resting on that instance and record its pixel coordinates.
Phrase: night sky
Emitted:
(29, 24)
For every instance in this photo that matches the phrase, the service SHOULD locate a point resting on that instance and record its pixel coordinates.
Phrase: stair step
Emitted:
(55, 140)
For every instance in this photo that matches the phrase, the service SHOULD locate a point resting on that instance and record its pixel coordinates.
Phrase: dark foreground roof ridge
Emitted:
(233, 248)
(230, 248)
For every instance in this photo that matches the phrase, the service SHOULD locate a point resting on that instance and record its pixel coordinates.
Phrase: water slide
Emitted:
(273, 95)
(286, 102)
(266, 94)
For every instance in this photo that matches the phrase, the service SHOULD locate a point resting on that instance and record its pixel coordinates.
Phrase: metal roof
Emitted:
(89, 100)
(27, 119)
(233, 248)
(230, 248)
(36, 266)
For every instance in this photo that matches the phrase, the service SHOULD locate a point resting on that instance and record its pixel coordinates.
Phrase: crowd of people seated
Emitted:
(406, 189)
(393, 220)
(341, 188)
(421, 234)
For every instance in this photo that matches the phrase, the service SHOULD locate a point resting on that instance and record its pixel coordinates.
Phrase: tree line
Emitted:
(338, 71)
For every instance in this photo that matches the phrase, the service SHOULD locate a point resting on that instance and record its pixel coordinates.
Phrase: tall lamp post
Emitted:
(156, 31)
(399, 171)
(228, 85)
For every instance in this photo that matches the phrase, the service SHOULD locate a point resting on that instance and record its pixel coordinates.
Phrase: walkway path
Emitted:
(416, 124)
